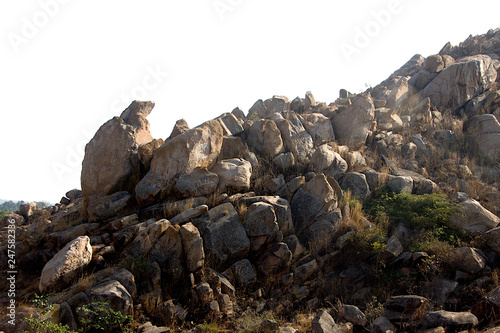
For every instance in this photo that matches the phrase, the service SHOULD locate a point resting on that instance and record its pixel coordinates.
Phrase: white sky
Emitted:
(85, 61)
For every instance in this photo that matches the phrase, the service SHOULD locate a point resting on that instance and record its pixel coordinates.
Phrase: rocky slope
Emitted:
(377, 212)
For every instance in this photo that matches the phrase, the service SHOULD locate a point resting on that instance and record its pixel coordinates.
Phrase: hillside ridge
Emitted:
(378, 212)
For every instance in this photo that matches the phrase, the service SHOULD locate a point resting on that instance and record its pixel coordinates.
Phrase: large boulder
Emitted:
(323, 323)
(234, 174)
(264, 138)
(281, 208)
(473, 217)
(260, 224)
(193, 247)
(352, 125)
(356, 182)
(485, 131)
(454, 320)
(224, 237)
(167, 251)
(274, 259)
(244, 273)
(197, 183)
(404, 307)
(462, 81)
(467, 259)
(102, 208)
(113, 293)
(198, 147)
(319, 127)
(28, 209)
(311, 199)
(111, 162)
(66, 264)
(145, 239)
(296, 138)
(322, 159)
(230, 124)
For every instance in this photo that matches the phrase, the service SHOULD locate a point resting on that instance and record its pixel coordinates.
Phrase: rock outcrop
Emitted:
(111, 162)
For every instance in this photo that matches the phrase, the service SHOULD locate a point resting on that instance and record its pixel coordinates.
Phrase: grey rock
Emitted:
(309, 200)
(403, 308)
(244, 273)
(108, 206)
(352, 125)
(401, 184)
(264, 138)
(303, 272)
(224, 237)
(113, 293)
(275, 259)
(354, 315)
(199, 182)
(462, 81)
(66, 264)
(467, 259)
(234, 174)
(473, 217)
(382, 325)
(457, 320)
(324, 323)
(356, 182)
(193, 247)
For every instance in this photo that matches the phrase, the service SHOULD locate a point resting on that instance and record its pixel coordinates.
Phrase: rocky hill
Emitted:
(378, 212)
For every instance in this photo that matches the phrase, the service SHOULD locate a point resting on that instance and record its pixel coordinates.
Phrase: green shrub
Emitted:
(427, 214)
(425, 211)
(3, 213)
(99, 316)
(368, 240)
(41, 321)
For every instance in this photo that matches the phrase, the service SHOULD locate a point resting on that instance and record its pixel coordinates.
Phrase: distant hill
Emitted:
(13, 206)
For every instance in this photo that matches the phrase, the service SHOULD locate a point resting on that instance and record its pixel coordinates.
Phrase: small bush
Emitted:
(41, 322)
(419, 211)
(368, 240)
(427, 214)
(99, 316)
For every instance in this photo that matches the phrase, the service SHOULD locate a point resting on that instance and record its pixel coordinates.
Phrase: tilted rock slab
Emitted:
(198, 147)
(111, 158)
(352, 125)
(472, 217)
(224, 237)
(462, 81)
(66, 264)
(309, 200)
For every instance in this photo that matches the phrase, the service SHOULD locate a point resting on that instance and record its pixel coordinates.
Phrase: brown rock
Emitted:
(198, 147)
(264, 138)
(111, 157)
(352, 125)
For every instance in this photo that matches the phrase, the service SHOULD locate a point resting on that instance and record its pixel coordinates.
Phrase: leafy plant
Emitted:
(369, 240)
(99, 316)
(427, 214)
(374, 309)
(3, 213)
(419, 211)
(41, 321)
